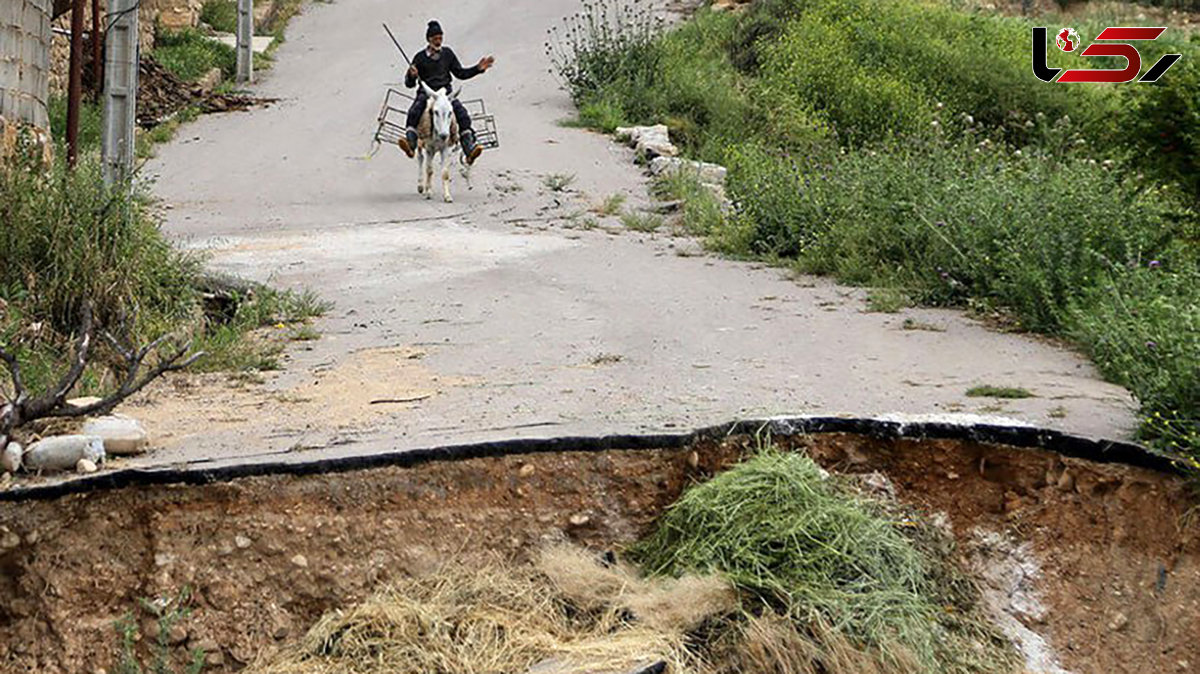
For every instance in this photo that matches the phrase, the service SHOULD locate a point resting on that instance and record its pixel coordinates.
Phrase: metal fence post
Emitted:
(120, 91)
(245, 41)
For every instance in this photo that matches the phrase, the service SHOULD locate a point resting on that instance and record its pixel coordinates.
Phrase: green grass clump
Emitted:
(243, 344)
(1005, 392)
(222, 15)
(641, 222)
(796, 541)
(190, 55)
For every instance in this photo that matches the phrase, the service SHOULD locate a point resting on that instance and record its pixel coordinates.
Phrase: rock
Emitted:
(177, 635)
(242, 542)
(210, 80)
(83, 402)
(651, 141)
(86, 466)
(63, 452)
(6, 481)
(9, 541)
(693, 460)
(300, 561)
(151, 629)
(214, 659)
(1066, 481)
(280, 632)
(709, 174)
(579, 520)
(527, 470)
(10, 460)
(122, 436)
(1118, 623)
(206, 646)
(162, 559)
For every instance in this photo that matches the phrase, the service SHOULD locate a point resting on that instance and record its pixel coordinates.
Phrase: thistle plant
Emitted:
(606, 41)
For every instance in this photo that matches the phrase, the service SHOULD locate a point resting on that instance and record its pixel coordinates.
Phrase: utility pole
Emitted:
(120, 90)
(75, 83)
(245, 41)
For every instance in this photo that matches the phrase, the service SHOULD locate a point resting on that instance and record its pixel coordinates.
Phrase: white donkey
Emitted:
(436, 134)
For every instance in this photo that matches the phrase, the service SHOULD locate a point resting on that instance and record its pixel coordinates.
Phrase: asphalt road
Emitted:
(527, 323)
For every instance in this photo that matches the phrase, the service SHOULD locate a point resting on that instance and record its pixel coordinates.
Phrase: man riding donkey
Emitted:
(434, 65)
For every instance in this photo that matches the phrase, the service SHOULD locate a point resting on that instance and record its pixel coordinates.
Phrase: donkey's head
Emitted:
(441, 112)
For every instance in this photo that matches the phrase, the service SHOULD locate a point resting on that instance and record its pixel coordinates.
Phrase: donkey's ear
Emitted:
(426, 88)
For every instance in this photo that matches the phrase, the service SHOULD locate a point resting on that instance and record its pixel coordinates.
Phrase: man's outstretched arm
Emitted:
(462, 73)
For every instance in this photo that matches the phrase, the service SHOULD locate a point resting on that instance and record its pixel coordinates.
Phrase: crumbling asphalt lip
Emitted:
(1005, 432)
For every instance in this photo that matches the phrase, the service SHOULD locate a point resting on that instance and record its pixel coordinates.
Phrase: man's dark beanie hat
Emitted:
(435, 28)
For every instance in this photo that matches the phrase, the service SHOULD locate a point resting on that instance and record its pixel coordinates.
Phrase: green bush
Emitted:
(1165, 128)
(190, 55)
(67, 237)
(222, 15)
(1142, 327)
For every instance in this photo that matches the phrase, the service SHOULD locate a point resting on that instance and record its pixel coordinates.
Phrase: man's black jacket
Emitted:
(436, 72)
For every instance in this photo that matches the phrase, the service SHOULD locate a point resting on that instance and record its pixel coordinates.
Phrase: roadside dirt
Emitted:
(1117, 556)
(363, 388)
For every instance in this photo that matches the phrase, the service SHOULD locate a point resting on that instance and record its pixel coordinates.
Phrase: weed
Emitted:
(221, 15)
(304, 333)
(887, 300)
(558, 182)
(168, 611)
(610, 206)
(1004, 392)
(189, 55)
(641, 222)
(914, 324)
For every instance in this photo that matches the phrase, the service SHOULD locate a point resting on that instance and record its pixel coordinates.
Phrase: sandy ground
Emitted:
(527, 323)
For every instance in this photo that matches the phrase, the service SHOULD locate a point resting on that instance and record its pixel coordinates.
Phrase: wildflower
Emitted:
(939, 223)
(1029, 125)
(1155, 264)
(1151, 344)
(1017, 153)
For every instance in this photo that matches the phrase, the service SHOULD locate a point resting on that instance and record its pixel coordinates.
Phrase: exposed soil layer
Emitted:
(264, 557)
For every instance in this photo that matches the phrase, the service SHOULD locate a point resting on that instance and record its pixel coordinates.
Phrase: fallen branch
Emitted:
(21, 408)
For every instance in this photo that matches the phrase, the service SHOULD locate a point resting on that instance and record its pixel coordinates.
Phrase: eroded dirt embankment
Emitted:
(1112, 560)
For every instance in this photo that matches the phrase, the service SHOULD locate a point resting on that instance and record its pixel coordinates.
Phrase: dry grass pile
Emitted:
(567, 613)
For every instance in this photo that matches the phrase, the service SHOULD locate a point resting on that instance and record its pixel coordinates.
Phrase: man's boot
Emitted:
(471, 149)
(409, 143)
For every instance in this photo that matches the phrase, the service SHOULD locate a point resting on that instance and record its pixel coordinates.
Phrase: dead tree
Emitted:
(22, 407)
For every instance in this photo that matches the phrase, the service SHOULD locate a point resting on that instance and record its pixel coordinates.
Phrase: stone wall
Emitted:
(24, 63)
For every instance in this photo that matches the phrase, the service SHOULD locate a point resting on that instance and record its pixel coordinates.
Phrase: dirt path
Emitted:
(502, 314)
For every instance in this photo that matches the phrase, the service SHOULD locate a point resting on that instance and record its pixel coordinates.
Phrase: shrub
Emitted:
(607, 42)
(222, 15)
(190, 55)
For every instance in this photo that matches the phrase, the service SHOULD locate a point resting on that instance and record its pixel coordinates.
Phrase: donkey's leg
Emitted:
(429, 175)
(420, 170)
(446, 176)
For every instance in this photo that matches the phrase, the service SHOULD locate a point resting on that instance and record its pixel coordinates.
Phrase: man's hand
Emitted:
(485, 63)
(412, 72)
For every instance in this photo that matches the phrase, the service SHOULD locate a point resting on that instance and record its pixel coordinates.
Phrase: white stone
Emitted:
(10, 460)
(63, 452)
(122, 436)
(709, 174)
(652, 141)
(86, 466)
